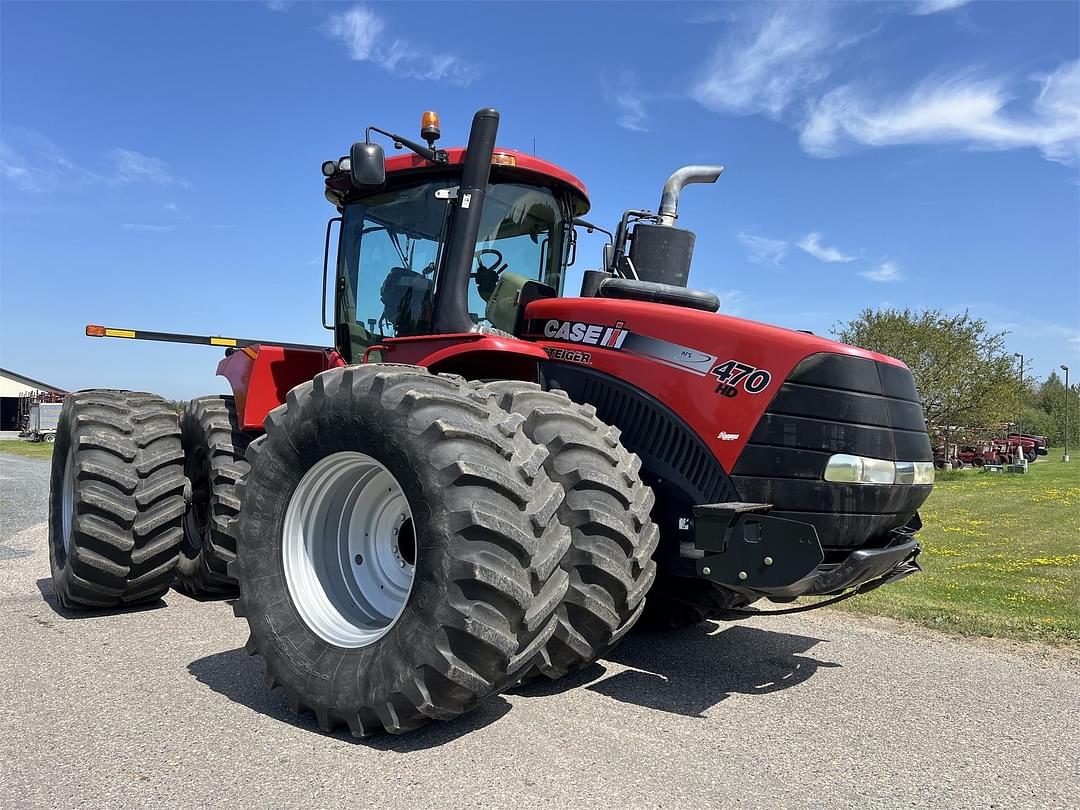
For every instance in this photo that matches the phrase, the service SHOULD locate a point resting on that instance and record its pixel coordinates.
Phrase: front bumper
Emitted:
(745, 549)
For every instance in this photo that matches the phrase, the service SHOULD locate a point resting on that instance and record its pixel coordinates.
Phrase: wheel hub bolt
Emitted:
(742, 575)
(768, 561)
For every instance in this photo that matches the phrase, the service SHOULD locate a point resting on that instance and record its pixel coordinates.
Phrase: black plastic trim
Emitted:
(658, 293)
(668, 447)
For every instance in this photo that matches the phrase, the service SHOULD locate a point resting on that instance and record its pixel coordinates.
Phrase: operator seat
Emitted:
(406, 299)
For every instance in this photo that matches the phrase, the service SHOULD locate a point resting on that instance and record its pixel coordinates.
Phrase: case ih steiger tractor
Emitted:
(482, 481)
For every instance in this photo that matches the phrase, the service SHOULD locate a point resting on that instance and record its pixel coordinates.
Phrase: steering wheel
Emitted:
(489, 268)
(487, 275)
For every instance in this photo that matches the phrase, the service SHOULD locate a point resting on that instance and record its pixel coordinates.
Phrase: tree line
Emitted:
(966, 375)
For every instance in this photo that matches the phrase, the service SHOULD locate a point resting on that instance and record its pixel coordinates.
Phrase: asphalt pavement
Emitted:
(162, 707)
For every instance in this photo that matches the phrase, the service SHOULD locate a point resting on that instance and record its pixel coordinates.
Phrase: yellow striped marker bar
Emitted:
(93, 330)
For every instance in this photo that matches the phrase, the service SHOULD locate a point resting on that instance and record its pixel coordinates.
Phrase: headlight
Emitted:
(843, 468)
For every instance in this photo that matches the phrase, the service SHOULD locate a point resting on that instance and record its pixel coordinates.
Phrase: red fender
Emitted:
(474, 355)
(262, 376)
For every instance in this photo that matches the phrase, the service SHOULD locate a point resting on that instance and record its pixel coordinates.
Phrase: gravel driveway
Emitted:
(162, 707)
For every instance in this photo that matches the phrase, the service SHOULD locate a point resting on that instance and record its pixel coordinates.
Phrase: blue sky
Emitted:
(160, 162)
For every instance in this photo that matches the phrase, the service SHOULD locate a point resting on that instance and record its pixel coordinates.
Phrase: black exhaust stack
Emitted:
(452, 296)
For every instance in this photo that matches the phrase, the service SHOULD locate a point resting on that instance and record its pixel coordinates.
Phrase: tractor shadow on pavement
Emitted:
(239, 677)
(690, 671)
(684, 672)
(48, 595)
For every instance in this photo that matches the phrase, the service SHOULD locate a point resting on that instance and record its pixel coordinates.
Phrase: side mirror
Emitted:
(366, 165)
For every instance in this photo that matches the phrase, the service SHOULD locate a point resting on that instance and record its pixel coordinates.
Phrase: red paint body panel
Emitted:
(436, 350)
(524, 163)
(261, 383)
(692, 394)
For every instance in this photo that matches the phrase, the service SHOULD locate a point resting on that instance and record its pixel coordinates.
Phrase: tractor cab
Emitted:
(393, 278)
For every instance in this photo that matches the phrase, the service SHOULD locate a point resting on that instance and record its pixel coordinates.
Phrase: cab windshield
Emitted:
(392, 246)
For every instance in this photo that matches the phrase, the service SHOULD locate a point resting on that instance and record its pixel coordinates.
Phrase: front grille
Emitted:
(833, 403)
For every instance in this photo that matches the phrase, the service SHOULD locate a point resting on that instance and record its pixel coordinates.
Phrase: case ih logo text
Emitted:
(608, 337)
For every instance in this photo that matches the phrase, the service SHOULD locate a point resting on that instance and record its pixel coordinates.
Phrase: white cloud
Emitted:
(629, 103)
(924, 7)
(763, 251)
(138, 226)
(960, 109)
(364, 34)
(277, 5)
(811, 243)
(775, 60)
(1047, 329)
(769, 61)
(359, 28)
(31, 162)
(732, 302)
(885, 272)
(130, 166)
(172, 207)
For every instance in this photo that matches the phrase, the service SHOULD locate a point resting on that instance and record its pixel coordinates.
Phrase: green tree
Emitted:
(964, 374)
(1049, 403)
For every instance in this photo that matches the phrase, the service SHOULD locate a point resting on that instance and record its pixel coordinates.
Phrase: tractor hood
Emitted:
(720, 409)
(680, 357)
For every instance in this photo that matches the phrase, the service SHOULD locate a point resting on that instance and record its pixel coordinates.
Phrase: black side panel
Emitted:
(834, 403)
(856, 374)
(847, 407)
(668, 447)
(782, 430)
(809, 495)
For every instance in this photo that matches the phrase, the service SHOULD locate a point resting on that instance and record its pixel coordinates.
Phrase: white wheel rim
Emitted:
(349, 549)
(68, 500)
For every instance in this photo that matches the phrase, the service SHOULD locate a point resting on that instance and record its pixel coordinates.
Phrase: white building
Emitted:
(12, 387)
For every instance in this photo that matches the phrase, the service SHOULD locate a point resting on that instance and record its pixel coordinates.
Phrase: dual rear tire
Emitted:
(400, 548)
(116, 500)
(214, 447)
(607, 509)
(411, 543)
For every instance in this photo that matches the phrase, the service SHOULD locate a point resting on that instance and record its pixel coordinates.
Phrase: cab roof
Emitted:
(504, 162)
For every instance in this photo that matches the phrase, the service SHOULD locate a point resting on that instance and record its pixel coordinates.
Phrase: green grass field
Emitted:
(1001, 556)
(21, 448)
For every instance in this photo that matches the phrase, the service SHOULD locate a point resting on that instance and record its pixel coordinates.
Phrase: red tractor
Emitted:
(1033, 446)
(481, 480)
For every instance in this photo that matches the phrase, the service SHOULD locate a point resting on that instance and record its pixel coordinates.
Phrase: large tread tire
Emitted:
(214, 447)
(487, 579)
(126, 501)
(677, 602)
(606, 507)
